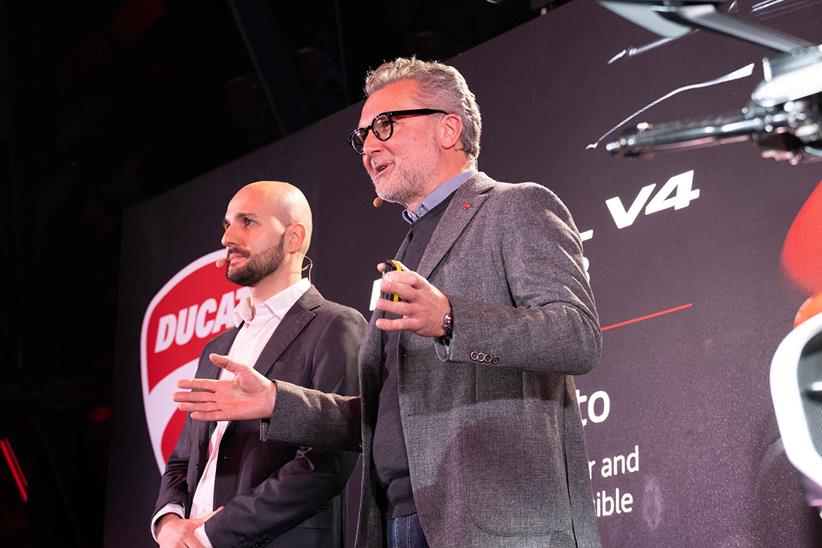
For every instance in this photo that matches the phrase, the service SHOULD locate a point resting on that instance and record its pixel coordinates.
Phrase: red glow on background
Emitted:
(14, 468)
(809, 309)
(802, 250)
(99, 414)
(647, 316)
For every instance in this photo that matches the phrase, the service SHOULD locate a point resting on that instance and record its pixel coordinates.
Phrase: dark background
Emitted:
(106, 104)
(688, 389)
(111, 109)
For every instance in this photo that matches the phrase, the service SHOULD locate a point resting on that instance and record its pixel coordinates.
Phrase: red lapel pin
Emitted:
(465, 205)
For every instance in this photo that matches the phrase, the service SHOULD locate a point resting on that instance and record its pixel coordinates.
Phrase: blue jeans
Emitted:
(405, 532)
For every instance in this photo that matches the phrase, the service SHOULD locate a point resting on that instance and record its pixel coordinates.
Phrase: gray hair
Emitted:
(441, 86)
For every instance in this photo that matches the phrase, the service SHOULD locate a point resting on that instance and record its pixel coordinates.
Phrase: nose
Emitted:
(370, 143)
(228, 237)
(371, 146)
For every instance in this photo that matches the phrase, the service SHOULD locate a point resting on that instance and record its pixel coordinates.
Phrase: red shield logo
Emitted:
(192, 308)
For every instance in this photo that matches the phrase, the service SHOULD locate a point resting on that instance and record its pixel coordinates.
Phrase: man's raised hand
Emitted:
(249, 395)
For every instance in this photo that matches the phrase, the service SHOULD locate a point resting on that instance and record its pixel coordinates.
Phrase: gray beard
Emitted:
(409, 184)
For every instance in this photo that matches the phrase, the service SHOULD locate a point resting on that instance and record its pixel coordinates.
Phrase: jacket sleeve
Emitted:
(550, 324)
(173, 484)
(174, 488)
(314, 476)
(315, 418)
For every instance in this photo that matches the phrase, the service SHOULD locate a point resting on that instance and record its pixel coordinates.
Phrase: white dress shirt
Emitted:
(258, 325)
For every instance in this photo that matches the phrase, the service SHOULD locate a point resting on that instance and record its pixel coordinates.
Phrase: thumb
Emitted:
(395, 263)
(208, 516)
(223, 361)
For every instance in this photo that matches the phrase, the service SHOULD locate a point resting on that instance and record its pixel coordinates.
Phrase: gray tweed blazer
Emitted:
(492, 428)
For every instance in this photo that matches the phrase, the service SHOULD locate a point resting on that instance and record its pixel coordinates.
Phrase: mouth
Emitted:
(380, 167)
(233, 256)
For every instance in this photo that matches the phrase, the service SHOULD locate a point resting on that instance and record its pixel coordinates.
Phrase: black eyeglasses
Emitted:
(382, 126)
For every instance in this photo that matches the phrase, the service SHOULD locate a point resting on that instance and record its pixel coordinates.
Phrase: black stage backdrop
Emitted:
(685, 261)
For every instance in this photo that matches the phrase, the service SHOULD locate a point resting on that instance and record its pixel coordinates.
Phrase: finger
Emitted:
(404, 291)
(193, 397)
(189, 407)
(408, 278)
(199, 384)
(403, 324)
(381, 267)
(207, 517)
(185, 383)
(396, 285)
(223, 361)
(401, 308)
(210, 416)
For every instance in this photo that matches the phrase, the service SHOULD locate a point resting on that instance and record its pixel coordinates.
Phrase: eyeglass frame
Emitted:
(390, 115)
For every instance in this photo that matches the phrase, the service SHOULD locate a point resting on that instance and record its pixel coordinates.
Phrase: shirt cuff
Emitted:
(167, 509)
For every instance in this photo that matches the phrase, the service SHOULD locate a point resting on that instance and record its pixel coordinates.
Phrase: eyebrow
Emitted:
(239, 215)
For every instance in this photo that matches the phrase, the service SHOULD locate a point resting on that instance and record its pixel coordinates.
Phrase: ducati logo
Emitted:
(192, 308)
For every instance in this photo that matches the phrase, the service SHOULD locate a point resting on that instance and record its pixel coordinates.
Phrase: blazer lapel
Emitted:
(221, 346)
(210, 371)
(372, 341)
(297, 317)
(290, 326)
(464, 205)
(401, 251)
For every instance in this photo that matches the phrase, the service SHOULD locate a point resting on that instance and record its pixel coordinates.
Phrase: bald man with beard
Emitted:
(222, 485)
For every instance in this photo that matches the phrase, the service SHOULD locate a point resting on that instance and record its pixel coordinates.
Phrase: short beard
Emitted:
(408, 186)
(405, 189)
(259, 266)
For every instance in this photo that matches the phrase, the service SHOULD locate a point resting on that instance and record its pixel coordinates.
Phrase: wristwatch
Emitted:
(447, 325)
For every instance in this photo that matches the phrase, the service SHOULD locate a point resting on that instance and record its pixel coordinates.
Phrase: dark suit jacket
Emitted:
(492, 428)
(268, 489)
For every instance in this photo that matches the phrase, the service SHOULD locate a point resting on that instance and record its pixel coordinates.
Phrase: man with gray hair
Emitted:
(468, 419)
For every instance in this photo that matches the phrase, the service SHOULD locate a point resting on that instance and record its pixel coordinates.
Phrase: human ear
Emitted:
(450, 130)
(295, 237)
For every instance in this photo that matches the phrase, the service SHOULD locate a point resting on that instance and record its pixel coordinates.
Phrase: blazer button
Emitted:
(495, 361)
(473, 356)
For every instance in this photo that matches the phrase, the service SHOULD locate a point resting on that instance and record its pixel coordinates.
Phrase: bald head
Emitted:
(267, 231)
(283, 201)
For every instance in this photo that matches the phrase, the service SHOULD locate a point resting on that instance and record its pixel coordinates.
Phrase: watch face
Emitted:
(447, 324)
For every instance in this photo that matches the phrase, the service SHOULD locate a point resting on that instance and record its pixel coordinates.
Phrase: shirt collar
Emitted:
(277, 305)
(435, 198)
